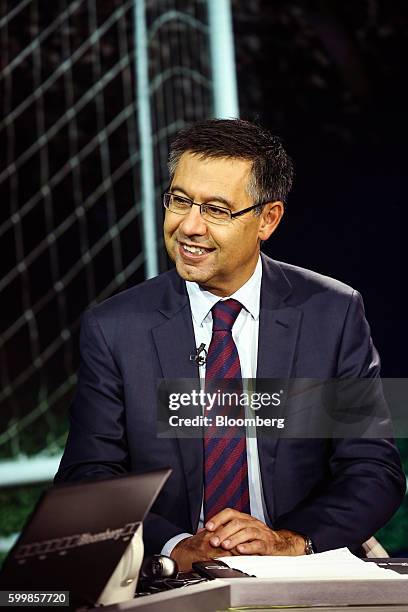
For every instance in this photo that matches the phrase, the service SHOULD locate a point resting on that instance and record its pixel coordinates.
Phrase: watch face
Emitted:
(309, 550)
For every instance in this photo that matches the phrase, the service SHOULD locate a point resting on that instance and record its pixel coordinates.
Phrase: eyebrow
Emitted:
(215, 198)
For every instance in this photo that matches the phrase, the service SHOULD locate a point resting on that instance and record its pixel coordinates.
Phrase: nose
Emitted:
(193, 224)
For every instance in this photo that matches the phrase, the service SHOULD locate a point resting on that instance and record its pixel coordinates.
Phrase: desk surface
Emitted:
(265, 594)
(292, 594)
(402, 608)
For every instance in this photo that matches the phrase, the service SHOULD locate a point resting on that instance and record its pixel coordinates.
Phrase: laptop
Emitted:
(77, 535)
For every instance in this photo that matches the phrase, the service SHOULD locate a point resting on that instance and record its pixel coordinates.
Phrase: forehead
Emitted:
(206, 177)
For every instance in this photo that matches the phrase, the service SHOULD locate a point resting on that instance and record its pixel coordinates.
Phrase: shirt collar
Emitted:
(249, 295)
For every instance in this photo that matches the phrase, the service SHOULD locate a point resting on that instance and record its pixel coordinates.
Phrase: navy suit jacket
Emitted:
(338, 492)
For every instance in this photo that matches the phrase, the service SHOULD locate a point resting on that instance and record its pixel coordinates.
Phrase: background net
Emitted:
(70, 213)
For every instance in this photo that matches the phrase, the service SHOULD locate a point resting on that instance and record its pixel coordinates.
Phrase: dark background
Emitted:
(330, 79)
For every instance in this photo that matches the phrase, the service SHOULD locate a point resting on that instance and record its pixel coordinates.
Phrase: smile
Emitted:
(192, 251)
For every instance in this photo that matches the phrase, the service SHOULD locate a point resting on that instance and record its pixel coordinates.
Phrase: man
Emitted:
(229, 182)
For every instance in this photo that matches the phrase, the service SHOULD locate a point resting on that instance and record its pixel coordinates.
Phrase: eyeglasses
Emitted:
(209, 212)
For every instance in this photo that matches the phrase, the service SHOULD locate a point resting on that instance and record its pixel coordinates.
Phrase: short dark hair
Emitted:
(272, 168)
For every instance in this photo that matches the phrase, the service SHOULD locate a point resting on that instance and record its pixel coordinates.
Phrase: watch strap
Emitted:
(309, 549)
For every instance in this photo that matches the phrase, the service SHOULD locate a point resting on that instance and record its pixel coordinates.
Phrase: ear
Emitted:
(270, 218)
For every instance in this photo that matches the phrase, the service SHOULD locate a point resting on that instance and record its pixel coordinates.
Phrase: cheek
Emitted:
(244, 240)
(168, 227)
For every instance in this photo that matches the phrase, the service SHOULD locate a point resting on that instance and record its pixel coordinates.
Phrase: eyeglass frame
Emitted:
(192, 203)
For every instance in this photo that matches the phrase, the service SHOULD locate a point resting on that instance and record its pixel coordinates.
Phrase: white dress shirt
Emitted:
(245, 334)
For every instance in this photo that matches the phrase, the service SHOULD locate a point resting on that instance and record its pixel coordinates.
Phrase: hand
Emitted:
(240, 533)
(196, 548)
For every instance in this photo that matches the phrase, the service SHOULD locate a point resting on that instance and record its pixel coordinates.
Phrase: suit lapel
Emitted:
(278, 332)
(175, 342)
(278, 324)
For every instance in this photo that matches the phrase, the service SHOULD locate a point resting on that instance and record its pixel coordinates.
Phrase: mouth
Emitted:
(192, 252)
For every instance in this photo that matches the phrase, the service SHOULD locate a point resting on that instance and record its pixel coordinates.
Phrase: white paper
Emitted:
(339, 564)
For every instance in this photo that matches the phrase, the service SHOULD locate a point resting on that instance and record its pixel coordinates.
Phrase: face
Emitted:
(228, 253)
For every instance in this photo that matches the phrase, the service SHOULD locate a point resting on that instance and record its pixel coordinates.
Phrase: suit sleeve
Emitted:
(366, 483)
(97, 443)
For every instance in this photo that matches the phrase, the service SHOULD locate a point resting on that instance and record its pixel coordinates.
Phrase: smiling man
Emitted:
(256, 318)
(215, 247)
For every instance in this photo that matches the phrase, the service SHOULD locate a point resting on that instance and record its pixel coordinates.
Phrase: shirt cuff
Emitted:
(172, 543)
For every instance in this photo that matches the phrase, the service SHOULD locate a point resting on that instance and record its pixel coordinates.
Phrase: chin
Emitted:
(190, 273)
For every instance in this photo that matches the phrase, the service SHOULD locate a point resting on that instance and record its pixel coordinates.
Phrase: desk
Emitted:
(402, 608)
(331, 595)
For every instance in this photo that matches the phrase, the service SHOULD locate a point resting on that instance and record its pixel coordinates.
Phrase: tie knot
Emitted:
(224, 314)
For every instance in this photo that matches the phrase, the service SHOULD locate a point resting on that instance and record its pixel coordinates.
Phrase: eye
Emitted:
(180, 202)
(216, 211)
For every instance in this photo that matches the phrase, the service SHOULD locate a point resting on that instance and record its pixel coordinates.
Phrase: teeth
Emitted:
(192, 249)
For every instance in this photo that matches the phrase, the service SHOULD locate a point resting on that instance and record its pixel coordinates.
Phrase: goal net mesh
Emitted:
(70, 213)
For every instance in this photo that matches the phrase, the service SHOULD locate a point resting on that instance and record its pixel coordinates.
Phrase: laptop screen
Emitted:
(78, 533)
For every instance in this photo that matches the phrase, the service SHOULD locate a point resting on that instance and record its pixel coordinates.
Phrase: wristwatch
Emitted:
(309, 550)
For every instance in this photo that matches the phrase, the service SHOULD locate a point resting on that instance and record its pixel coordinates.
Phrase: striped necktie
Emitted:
(225, 458)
